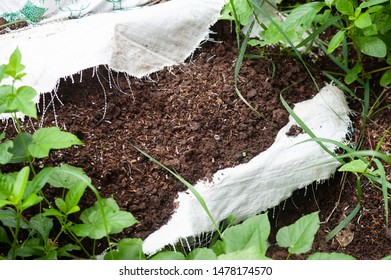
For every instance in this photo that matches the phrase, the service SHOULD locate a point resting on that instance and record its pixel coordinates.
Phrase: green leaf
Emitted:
(63, 251)
(32, 200)
(53, 212)
(22, 101)
(202, 254)
(370, 3)
(32, 247)
(355, 166)
(253, 232)
(5, 155)
(8, 218)
(14, 65)
(168, 256)
(383, 24)
(43, 225)
(38, 182)
(251, 253)
(73, 197)
(385, 79)
(336, 41)
(3, 236)
(20, 185)
(242, 9)
(93, 223)
(127, 249)
(329, 2)
(352, 74)
(330, 256)
(60, 203)
(67, 176)
(18, 150)
(48, 138)
(363, 21)
(370, 30)
(372, 46)
(7, 184)
(303, 14)
(218, 248)
(298, 237)
(345, 7)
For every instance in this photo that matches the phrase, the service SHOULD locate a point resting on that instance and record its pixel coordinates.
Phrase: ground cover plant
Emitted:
(21, 191)
(363, 29)
(368, 166)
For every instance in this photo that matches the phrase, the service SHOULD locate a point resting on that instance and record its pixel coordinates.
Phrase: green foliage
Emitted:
(363, 27)
(298, 237)
(21, 190)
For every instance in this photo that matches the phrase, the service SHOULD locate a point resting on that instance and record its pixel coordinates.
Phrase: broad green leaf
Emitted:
(2, 72)
(218, 248)
(299, 237)
(32, 200)
(383, 24)
(67, 176)
(363, 21)
(5, 155)
(48, 138)
(243, 10)
(38, 182)
(8, 218)
(7, 184)
(63, 251)
(201, 254)
(372, 46)
(14, 65)
(4, 202)
(352, 74)
(370, 3)
(303, 14)
(169, 255)
(73, 197)
(335, 41)
(20, 185)
(53, 212)
(355, 166)
(329, 2)
(22, 101)
(18, 151)
(385, 79)
(370, 30)
(31, 247)
(251, 253)
(61, 205)
(94, 223)
(387, 257)
(330, 256)
(253, 232)
(345, 7)
(43, 225)
(127, 249)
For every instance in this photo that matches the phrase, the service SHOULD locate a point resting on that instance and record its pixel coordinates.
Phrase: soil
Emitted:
(189, 118)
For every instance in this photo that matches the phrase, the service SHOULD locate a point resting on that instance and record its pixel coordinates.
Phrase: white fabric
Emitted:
(138, 41)
(60, 9)
(268, 179)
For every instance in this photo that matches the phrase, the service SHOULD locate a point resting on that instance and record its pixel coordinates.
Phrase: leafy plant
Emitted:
(29, 231)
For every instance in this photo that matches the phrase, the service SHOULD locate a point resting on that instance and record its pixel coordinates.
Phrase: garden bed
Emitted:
(189, 118)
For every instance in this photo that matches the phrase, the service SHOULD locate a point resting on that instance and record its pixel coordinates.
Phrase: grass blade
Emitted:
(344, 223)
(187, 184)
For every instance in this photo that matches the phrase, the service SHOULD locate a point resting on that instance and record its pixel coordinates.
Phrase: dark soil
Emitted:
(189, 118)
